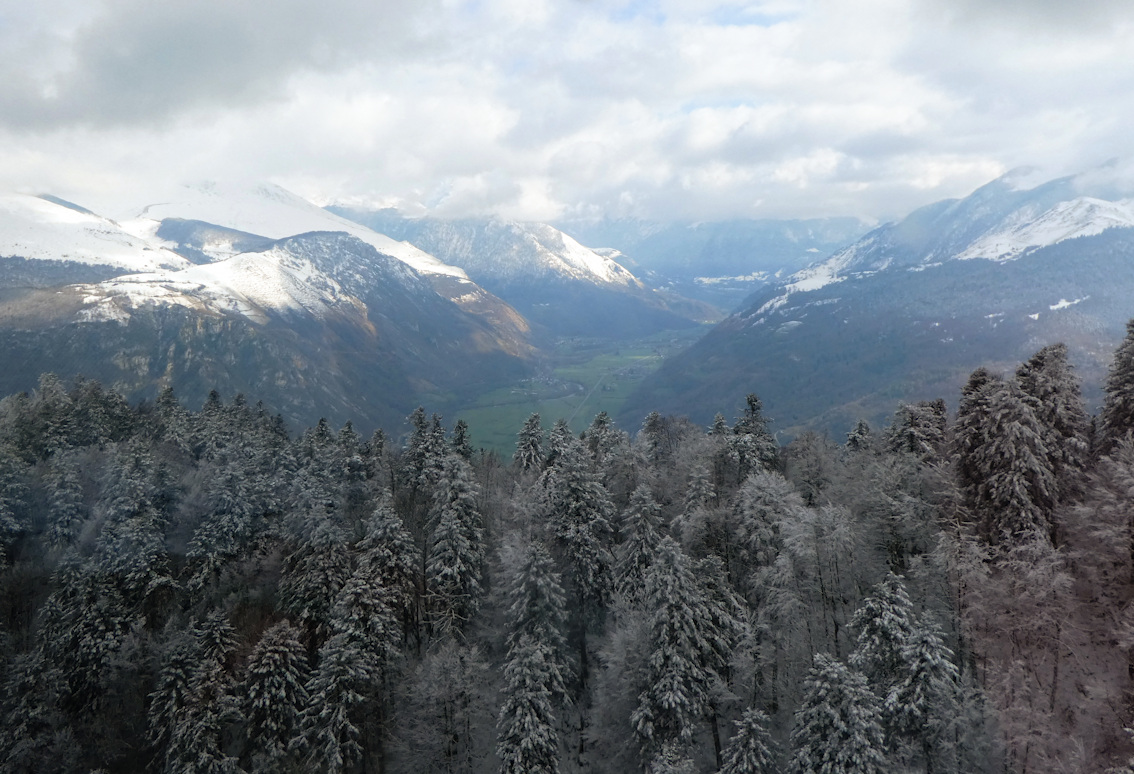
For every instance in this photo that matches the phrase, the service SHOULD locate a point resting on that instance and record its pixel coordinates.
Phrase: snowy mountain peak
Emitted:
(49, 229)
(561, 252)
(1004, 220)
(1025, 230)
(263, 209)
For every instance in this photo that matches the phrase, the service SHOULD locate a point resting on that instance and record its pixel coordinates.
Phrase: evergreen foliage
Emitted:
(201, 591)
(1117, 416)
(750, 751)
(839, 725)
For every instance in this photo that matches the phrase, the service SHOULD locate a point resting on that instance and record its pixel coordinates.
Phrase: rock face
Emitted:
(908, 311)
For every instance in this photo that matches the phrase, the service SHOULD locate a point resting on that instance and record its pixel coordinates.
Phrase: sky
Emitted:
(688, 110)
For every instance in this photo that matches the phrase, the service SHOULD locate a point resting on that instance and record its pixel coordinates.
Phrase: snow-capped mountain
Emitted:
(500, 251)
(910, 309)
(342, 322)
(44, 228)
(718, 262)
(264, 209)
(558, 284)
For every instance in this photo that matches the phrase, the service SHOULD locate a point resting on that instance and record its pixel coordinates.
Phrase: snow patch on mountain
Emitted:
(1026, 230)
(34, 228)
(265, 210)
(558, 249)
(249, 284)
(1064, 303)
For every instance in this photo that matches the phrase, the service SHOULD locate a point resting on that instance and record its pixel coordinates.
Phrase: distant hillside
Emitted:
(910, 309)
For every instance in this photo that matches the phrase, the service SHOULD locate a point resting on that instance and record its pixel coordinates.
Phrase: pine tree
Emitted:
(922, 704)
(13, 493)
(750, 751)
(387, 558)
(971, 433)
(602, 438)
(885, 622)
(528, 740)
(919, 429)
(655, 439)
(641, 535)
(838, 728)
(338, 692)
(194, 701)
(678, 679)
(312, 577)
(536, 603)
(66, 502)
(755, 447)
(1117, 416)
(460, 442)
(578, 509)
(456, 555)
(275, 695)
(37, 734)
(861, 437)
(177, 426)
(529, 445)
(1016, 487)
(1049, 378)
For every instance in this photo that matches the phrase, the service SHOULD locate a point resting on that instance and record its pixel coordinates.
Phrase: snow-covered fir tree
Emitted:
(838, 727)
(750, 751)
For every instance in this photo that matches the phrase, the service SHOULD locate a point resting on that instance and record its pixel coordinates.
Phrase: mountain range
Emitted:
(254, 289)
(721, 262)
(560, 286)
(909, 310)
(348, 313)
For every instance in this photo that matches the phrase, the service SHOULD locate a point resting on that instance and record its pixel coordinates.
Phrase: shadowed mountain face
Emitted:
(907, 312)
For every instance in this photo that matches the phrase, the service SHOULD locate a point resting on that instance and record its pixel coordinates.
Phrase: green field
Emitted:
(577, 380)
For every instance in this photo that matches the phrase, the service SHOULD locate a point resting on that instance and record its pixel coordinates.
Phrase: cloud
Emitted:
(687, 109)
(134, 61)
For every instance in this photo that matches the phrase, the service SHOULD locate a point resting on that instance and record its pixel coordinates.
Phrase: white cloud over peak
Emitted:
(545, 108)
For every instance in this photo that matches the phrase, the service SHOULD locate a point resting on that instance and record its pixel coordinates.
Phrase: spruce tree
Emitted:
(641, 534)
(529, 445)
(750, 751)
(1117, 417)
(528, 740)
(838, 728)
(678, 678)
(274, 696)
(456, 555)
(1049, 378)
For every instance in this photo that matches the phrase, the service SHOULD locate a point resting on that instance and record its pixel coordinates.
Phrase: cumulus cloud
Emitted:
(688, 109)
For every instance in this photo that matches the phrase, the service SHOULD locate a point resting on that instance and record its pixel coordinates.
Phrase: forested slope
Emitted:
(202, 591)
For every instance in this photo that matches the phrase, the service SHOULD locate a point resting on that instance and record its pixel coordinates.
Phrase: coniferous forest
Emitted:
(204, 591)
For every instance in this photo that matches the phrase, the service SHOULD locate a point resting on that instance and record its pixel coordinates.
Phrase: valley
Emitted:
(574, 380)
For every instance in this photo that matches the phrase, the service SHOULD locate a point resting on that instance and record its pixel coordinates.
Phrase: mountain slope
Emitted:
(562, 287)
(45, 241)
(320, 324)
(910, 309)
(719, 262)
